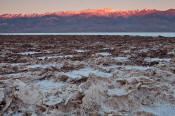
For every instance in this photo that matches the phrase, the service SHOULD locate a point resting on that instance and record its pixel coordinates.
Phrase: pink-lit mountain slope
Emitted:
(96, 12)
(91, 20)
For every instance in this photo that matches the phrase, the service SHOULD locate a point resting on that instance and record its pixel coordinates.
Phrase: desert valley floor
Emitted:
(87, 76)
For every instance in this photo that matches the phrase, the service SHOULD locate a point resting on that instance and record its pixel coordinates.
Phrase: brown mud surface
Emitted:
(87, 76)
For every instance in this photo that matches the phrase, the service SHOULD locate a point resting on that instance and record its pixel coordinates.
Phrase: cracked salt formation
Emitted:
(67, 56)
(49, 57)
(135, 67)
(43, 65)
(80, 51)
(161, 110)
(121, 58)
(28, 53)
(103, 54)
(14, 75)
(117, 92)
(145, 50)
(44, 84)
(114, 84)
(85, 72)
(106, 48)
(108, 68)
(129, 67)
(126, 51)
(171, 52)
(157, 59)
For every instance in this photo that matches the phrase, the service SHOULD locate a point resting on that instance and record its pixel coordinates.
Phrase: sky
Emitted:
(42, 6)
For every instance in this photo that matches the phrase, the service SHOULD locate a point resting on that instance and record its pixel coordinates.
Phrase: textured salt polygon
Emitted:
(43, 65)
(44, 84)
(106, 48)
(80, 51)
(121, 59)
(161, 110)
(135, 67)
(117, 92)
(103, 54)
(14, 75)
(130, 67)
(28, 53)
(18, 114)
(157, 59)
(171, 52)
(49, 57)
(145, 50)
(126, 51)
(85, 72)
(107, 68)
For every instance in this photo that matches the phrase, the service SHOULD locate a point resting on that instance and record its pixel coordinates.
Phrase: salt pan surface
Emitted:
(157, 59)
(49, 57)
(85, 72)
(43, 65)
(103, 54)
(161, 110)
(121, 58)
(117, 91)
(80, 51)
(107, 68)
(44, 84)
(28, 53)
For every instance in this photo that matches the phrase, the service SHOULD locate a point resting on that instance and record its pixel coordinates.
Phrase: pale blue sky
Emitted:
(41, 6)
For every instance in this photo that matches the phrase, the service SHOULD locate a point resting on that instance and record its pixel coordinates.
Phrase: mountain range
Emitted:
(90, 20)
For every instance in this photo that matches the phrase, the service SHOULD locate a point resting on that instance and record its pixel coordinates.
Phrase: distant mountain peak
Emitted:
(105, 12)
(94, 12)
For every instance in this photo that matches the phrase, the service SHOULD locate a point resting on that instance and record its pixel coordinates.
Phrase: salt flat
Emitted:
(87, 75)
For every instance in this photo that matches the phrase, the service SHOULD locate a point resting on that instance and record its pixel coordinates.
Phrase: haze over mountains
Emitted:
(91, 20)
